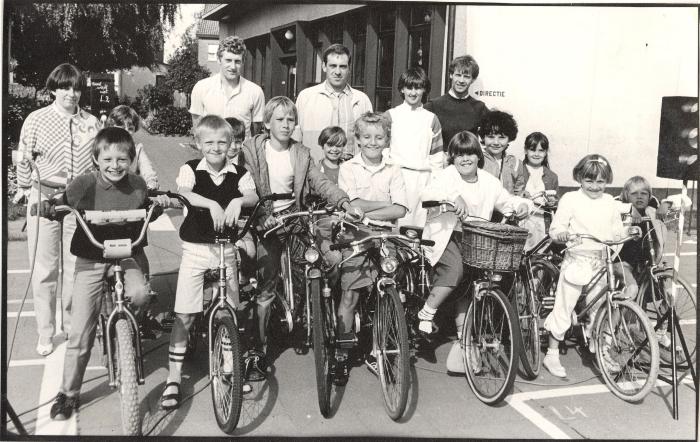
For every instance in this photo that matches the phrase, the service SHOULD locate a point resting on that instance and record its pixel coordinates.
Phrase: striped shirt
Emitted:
(63, 141)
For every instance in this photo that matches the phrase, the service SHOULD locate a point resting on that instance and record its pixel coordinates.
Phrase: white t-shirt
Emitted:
(534, 183)
(279, 166)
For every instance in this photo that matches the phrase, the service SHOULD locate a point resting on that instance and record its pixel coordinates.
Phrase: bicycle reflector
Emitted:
(311, 255)
(389, 264)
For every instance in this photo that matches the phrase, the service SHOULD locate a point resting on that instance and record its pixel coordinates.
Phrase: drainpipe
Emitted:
(450, 49)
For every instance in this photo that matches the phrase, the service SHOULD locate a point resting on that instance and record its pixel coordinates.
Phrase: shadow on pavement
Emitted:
(258, 404)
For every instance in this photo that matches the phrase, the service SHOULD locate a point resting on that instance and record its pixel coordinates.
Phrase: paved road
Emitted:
(439, 405)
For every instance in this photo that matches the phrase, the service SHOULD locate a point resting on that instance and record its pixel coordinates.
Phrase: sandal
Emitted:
(44, 349)
(171, 396)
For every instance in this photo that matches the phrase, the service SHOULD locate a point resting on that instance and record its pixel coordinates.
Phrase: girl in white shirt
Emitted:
(588, 210)
(474, 192)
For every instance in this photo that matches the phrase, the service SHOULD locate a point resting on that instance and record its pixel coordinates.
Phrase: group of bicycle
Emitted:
(358, 252)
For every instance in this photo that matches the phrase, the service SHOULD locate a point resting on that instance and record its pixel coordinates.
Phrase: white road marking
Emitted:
(27, 362)
(162, 224)
(690, 241)
(25, 314)
(19, 301)
(50, 383)
(682, 254)
(15, 272)
(518, 400)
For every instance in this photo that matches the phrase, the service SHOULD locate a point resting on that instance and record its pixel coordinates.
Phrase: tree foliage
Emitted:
(184, 70)
(96, 37)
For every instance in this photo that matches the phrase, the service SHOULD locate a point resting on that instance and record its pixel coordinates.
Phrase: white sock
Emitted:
(426, 315)
(176, 356)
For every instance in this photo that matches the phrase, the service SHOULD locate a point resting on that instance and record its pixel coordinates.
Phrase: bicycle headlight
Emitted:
(389, 264)
(311, 255)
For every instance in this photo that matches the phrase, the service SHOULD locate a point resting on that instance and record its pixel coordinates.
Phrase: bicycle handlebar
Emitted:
(346, 245)
(575, 236)
(111, 216)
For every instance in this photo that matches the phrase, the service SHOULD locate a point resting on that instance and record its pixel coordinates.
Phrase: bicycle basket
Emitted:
(493, 246)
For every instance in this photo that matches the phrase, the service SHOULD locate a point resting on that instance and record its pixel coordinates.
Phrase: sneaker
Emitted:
(455, 360)
(63, 407)
(663, 338)
(610, 364)
(340, 372)
(256, 366)
(371, 364)
(44, 346)
(553, 365)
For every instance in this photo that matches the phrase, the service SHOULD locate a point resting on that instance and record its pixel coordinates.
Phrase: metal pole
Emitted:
(672, 303)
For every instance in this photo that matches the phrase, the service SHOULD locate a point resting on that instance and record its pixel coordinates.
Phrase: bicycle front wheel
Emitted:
(323, 347)
(226, 375)
(626, 350)
(125, 361)
(529, 326)
(686, 313)
(390, 345)
(491, 346)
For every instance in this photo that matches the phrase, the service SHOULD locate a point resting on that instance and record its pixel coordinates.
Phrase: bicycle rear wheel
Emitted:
(686, 312)
(627, 353)
(125, 362)
(491, 345)
(528, 320)
(226, 375)
(390, 345)
(323, 347)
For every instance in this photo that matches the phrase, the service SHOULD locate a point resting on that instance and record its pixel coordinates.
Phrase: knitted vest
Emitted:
(198, 226)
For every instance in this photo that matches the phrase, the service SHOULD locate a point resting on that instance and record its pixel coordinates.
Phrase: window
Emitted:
(358, 34)
(211, 52)
(385, 59)
(419, 38)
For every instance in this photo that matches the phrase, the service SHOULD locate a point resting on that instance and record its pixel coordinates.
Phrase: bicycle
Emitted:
(224, 326)
(118, 329)
(382, 313)
(317, 307)
(621, 331)
(654, 297)
(534, 287)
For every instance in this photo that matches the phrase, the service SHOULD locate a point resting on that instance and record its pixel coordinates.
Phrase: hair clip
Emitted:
(598, 160)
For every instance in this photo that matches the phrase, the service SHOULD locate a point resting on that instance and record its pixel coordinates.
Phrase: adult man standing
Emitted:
(331, 103)
(228, 94)
(457, 110)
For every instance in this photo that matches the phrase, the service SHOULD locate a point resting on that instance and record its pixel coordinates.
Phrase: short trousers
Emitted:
(449, 270)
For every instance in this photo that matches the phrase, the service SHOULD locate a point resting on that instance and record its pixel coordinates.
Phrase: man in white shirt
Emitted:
(228, 94)
(331, 103)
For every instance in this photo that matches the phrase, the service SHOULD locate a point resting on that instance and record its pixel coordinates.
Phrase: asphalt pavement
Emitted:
(439, 405)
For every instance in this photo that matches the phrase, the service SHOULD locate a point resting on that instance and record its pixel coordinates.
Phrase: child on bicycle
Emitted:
(416, 142)
(234, 153)
(125, 117)
(332, 141)
(588, 210)
(111, 187)
(496, 130)
(538, 178)
(222, 188)
(476, 193)
(379, 190)
(278, 164)
(637, 192)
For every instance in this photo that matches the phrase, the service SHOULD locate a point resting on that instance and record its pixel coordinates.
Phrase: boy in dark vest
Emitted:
(212, 183)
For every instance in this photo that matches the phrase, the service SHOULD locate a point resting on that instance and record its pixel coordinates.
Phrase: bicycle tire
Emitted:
(686, 312)
(390, 346)
(636, 354)
(227, 375)
(490, 374)
(125, 359)
(322, 347)
(529, 326)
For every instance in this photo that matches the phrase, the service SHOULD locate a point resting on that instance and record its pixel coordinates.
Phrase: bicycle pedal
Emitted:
(348, 340)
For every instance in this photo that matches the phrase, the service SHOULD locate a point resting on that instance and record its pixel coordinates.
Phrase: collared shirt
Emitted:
(64, 143)
(186, 179)
(246, 102)
(383, 182)
(320, 106)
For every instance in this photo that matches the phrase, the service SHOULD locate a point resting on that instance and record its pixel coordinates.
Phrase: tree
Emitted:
(96, 37)
(184, 70)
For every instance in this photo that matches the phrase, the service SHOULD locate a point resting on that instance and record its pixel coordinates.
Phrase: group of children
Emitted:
(401, 162)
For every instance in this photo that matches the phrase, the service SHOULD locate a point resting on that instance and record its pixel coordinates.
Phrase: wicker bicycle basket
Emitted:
(493, 246)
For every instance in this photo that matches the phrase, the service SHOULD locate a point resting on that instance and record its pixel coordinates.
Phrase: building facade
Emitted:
(207, 35)
(591, 78)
